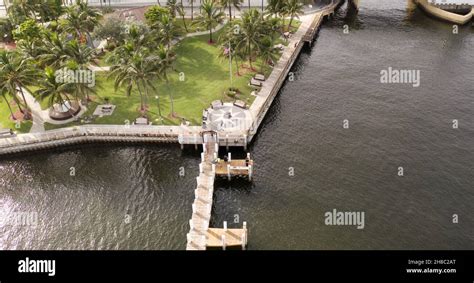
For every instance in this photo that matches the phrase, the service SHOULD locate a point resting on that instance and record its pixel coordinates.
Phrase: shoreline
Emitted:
(443, 14)
(191, 135)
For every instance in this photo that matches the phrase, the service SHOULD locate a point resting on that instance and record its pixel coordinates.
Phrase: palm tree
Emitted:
(54, 51)
(210, 16)
(4, 94)
(90, 17)
(275, 7)
(82, 54)
(21, 9)
(251, 32)
(73, 23)
(166, 60)
(182, 13)
(138, 71)
(79, 58)
(56, 92)
(192, 9)
(81, 19)
(173, 7)
(293, 9)
(16, 74)
(267, 52)
(166, 28)
(229, 3)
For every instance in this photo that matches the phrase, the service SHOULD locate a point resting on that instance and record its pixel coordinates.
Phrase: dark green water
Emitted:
(353, 169)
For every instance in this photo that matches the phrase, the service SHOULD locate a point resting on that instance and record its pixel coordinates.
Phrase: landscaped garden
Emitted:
(152, 75)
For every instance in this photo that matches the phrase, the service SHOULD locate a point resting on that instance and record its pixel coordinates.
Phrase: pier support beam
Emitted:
(227, 142)
(354, 4)
(245, 142)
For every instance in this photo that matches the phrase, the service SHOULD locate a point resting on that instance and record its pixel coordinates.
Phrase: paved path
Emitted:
(41, 116)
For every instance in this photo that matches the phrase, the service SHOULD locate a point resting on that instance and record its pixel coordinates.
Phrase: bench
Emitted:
(254, 82)
(141, 121)
(259, 77)
(241, 104)
(6, 133)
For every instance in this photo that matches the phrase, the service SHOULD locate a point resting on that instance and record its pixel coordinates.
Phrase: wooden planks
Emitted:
(219, 237)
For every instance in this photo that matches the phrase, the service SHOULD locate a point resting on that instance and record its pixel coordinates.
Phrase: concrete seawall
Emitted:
(310, 24)
(91, 134)
(445, 15)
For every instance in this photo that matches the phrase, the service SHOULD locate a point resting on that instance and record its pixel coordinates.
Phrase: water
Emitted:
(351, 169)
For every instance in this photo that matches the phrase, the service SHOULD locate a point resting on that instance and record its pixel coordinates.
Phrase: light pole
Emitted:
(159, 108)
(230, 66)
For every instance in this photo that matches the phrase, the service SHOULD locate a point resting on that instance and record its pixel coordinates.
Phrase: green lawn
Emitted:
(191, 25)
(206, 78)
(7, 123)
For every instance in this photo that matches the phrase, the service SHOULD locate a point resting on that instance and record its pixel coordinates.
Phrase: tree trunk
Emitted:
(159, 109)
(25, 113)
(230, 13)
(210, 35)
(142, 108)
(184, 23)
(171, 97)
(192, 10)
(250, 56)
(237, 65)
(10, 108)
(249, 4)
(289, 25)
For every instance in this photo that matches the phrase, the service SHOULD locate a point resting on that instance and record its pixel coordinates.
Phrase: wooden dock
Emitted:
(223, 237)
(200, 236)
(235, 167)
(202, 205)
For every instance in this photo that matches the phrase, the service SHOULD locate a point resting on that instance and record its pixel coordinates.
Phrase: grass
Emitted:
(191, 25)
(7, 123)
(206, 78)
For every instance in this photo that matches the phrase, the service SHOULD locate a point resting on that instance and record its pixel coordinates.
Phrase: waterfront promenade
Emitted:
(179, 134)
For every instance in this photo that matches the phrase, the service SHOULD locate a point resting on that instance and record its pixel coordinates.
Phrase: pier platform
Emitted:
(200, 235)
(223, 238)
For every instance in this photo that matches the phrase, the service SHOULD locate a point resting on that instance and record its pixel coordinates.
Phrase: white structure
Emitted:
(452, 2)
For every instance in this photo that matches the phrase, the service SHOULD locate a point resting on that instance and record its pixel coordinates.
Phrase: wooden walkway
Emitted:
(200, 235)
(202, 205)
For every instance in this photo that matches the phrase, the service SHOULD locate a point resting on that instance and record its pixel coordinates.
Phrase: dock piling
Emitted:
(223, 242)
